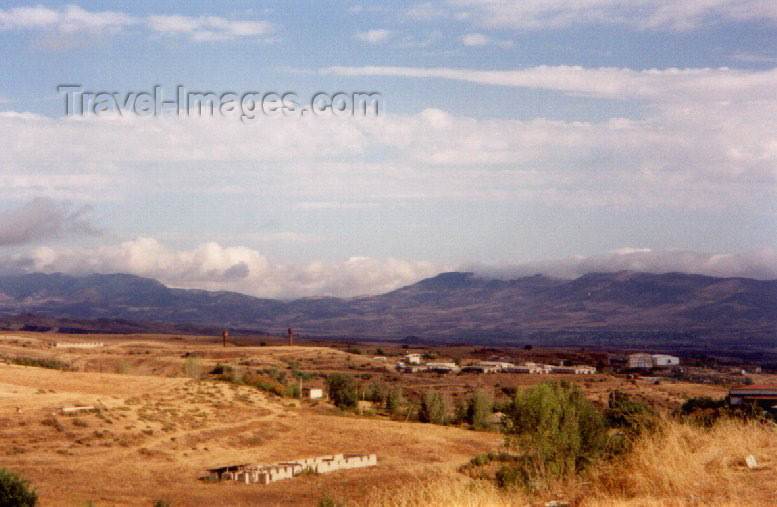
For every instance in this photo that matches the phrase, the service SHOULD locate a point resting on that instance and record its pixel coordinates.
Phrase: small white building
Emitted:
(663, 360)
(412, 359)
(312, 393)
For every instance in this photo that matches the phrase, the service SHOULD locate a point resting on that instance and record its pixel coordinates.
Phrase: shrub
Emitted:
(292, 391)
(327, 500)
(433, 408)
(560, 431)
(122, 366)
(53, 422)
(15, 491)
(53, 364)
(342, 391)
(192, 367)
(633, 417)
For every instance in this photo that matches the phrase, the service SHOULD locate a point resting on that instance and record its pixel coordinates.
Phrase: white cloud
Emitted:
(759, 264)
(69, 19)
(377, 36)
(216, 267)
(641, 14)
(478, 39)
(208, 28)
(72, 20)
(425, 11)
(475, 39)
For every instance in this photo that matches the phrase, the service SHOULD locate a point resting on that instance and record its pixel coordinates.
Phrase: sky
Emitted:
(511, 138)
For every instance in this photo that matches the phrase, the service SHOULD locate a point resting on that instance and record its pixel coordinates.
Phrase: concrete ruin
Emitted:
(265, 474)
(76, 410)
(78, 345)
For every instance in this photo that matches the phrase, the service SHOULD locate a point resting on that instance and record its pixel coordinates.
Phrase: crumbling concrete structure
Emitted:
(265, 474)
(78, 345)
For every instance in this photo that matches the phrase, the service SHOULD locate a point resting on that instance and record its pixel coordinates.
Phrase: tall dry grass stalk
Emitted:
(689, 465)
(449, 490)
(680, 465)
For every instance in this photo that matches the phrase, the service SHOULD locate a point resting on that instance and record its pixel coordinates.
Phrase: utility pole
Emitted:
(291, 337)
(224, 336)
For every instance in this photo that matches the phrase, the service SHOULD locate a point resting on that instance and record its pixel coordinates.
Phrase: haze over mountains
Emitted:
(623, 309)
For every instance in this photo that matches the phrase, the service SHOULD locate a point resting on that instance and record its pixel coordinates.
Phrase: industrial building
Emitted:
(643, 360)
(763, 395)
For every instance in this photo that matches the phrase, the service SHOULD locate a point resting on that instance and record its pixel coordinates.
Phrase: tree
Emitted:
(15, 491)
(560, 431)
(479, 409)
(433, 409)
(342, 391)
(394, 401)
(376, 393)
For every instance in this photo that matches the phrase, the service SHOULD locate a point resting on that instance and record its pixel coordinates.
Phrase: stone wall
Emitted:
(78, 345)
(265, 474)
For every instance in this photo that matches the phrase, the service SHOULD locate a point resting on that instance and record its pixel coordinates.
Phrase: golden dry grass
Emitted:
(448, 490)
(689, 465)
(682, 465)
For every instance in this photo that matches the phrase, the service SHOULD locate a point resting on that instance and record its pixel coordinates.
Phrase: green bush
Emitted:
(706, 411)
(629, 415)
(15, 491)
(560, 432)
(433, 409)
(342, 391)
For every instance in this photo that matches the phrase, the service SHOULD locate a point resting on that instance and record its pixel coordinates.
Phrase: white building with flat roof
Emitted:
(663, 360)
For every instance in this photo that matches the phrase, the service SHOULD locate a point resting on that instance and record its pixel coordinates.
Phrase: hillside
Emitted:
(625, 308)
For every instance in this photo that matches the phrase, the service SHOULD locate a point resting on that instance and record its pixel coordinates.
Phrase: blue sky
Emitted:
(516, 137)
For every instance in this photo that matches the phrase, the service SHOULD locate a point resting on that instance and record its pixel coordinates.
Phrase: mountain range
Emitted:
(624, 309)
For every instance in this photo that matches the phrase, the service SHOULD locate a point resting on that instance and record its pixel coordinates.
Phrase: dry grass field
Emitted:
(157, 431)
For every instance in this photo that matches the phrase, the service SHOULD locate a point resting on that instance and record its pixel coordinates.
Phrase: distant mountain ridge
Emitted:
(598, 308)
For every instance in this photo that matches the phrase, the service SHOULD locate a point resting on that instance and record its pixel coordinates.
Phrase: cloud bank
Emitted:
(241, 269)
(44, 219)
(216, 267)
(759, 264)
